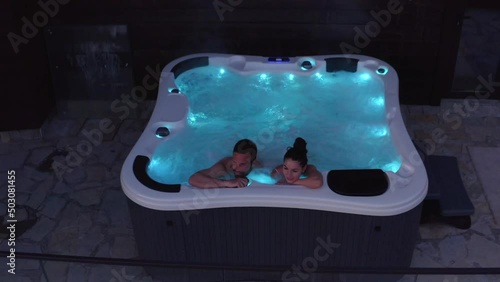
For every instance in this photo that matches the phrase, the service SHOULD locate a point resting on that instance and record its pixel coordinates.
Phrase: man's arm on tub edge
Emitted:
(208, 178)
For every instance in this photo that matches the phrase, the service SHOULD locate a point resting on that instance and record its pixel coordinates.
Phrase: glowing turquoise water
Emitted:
(340, 115)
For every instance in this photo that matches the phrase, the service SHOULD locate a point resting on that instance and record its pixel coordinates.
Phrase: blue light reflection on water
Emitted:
(342, 120)
(261, 175)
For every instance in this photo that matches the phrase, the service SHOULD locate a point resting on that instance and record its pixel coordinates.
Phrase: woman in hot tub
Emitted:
(295, 170)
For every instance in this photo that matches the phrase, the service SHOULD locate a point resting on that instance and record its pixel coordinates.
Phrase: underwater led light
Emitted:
(291, 76)
(364, 76)
(194, 119)
(222, 71)
(379, 132)
(264, 79)
(392, 166)
(153, 164)
(377, 101)
(318, 75)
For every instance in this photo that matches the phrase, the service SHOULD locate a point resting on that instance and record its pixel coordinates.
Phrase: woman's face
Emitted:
(292, 170)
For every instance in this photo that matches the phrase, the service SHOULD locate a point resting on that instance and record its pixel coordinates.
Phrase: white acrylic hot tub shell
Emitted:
(407, 190)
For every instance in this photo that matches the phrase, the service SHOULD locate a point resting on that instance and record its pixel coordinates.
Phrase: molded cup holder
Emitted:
(162, 132)
(306, 65)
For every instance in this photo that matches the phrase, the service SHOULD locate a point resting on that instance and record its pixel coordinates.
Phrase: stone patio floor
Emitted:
(84, 211)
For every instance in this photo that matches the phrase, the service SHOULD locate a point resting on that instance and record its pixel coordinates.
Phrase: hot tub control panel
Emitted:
(278, 60)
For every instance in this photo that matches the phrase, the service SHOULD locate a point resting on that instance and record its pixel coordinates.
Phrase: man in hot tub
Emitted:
(230, 172)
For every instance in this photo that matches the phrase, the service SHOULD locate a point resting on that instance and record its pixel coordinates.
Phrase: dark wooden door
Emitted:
(26, 98)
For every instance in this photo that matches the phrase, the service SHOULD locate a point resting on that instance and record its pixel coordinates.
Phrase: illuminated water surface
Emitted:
(340, 115)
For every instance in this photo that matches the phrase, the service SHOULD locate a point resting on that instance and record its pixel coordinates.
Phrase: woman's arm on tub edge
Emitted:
(314, 178)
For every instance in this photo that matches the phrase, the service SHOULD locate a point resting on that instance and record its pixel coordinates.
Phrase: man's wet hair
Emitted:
(246, 146)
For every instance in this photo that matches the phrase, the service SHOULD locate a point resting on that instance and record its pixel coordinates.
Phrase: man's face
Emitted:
(242, 163)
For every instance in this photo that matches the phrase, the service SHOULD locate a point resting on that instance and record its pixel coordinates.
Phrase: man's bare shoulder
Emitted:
(226, 160)
(221, 167)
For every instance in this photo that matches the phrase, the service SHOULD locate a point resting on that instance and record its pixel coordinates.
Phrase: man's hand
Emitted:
(237, 182)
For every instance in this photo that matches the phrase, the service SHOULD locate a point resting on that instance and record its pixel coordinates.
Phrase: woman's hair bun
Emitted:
(300, 145)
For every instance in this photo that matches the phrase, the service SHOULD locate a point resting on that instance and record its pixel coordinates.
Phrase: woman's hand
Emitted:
(282, 181)
(275, 173)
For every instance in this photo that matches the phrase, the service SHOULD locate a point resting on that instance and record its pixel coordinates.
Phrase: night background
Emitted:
(95, 50)
(65, 63)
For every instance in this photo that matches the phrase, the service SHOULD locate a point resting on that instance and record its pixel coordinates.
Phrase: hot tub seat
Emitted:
(358, 182)
(140, 172)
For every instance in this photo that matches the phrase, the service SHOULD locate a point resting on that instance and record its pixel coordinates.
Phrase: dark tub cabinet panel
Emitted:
(255, 236)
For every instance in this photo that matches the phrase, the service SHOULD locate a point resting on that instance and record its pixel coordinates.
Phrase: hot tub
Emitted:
(363, 141)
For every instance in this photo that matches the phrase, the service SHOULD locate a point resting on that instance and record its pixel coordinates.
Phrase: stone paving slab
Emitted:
(37, 155)
(13, 161)
(43, 227)
(105, 129)
(56, 128)
(20, 135)
(39, 195)
(487, 163)
(77, 273)
(7, 148)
